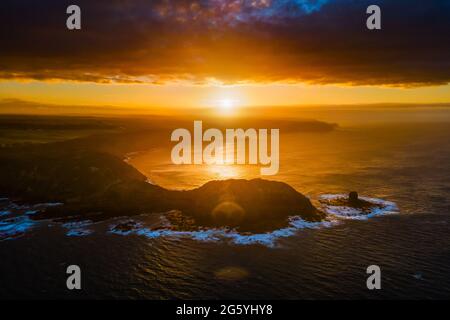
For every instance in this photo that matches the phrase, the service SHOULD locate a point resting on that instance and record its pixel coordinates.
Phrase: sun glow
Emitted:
(227, 105)
(224, 171)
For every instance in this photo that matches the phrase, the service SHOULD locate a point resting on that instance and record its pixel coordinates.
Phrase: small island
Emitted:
(352, 201)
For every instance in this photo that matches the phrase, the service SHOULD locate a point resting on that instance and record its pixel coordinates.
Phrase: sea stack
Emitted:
(353, 197)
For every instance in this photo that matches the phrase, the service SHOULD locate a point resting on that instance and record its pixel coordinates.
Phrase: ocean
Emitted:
(404, 161)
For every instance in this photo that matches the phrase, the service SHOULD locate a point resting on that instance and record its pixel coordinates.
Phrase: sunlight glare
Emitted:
(224, 171)
(227, 105)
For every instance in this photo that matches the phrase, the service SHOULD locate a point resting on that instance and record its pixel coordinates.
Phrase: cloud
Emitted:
(313, 41)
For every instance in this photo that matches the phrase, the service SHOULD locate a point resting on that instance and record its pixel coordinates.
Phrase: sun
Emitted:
(227, 105)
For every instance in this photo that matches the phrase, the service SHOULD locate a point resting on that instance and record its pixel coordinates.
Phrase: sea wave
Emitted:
(15, 221)
(268, 239)
(4, 213)
(383, 207)
(12, 228)
(78, 229)
(335, 215)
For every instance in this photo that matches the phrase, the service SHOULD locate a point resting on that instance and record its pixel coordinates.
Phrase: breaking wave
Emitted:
(78, 229)
(268, 239)
(383, 207)
(335, 215)
(14, 227)
(15, 221)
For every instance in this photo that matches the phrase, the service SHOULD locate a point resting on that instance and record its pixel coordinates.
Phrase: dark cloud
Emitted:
(318, 41)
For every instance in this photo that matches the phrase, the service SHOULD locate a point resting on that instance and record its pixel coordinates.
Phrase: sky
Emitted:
(161, 53)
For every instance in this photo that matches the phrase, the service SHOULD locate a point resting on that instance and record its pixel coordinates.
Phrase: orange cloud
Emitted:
(237, 41)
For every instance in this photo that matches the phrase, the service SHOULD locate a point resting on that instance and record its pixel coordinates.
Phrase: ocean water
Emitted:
(403, 165)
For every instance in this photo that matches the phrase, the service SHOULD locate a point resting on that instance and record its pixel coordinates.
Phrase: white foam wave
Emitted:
(78, 229)
(335, 216)
(15, 219)
(383, 207)
(268, 239)
(15, 227)
(5, 213)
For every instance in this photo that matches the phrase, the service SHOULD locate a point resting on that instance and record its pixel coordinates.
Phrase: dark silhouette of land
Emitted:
(95, 183)
(99, 186)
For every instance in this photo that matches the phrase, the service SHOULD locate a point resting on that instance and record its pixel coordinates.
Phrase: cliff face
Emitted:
(99, 186)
